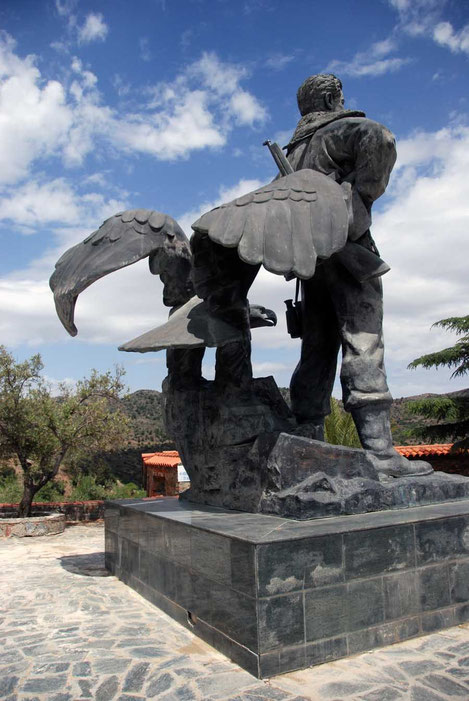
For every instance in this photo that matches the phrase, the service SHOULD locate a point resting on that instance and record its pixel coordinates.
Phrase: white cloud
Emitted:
(277, 62)
(224, 80)
(144, 46)
(225, 194)
(284, 136)
(65, 8)
(418, 17)
(34, 203)
(424, 18)
(373, 62)
(27, 302)
(185, 126)
(55, 385)
(99, 179)
(34, 116)
(457, 42)
(113, 310)
(121, 87)
(252, 6)
(39, 203)
(150, 360)
(246, 108)
(269, 367)
(93, 29)
(186, 39)
(40, 119)
(422, 234)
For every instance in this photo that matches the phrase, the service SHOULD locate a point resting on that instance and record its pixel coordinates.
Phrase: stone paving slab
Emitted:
(70, 632)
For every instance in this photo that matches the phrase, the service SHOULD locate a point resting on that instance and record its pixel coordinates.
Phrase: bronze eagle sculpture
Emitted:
(286, 226)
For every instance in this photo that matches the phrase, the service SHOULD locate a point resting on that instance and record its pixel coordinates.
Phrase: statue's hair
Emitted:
(311, 93)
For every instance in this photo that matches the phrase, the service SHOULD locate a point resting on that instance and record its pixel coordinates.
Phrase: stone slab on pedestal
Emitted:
(277, 595)
(240, 450)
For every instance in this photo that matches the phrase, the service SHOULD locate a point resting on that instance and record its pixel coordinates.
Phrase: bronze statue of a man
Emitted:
(338, 311)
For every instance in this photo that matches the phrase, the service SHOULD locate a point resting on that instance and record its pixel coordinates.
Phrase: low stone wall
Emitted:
(36, 525)
(73, 510)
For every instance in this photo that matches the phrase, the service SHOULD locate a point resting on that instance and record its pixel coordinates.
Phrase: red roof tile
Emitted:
(420, 451)
(166, 458)
(170, 458)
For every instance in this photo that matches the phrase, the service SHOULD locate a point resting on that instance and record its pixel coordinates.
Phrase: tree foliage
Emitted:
(41, 429)
(456, 356)
(451, 413)
(340, 428)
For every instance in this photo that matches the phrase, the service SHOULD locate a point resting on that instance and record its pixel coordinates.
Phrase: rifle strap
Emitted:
(297, 290)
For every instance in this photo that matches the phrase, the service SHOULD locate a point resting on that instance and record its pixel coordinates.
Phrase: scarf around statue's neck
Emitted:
(313, 121)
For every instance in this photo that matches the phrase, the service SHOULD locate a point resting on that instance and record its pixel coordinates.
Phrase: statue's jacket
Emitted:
(341, 163)
(350, 148)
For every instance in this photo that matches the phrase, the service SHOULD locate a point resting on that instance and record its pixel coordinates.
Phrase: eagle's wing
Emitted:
(194, 326)
(285, 225)
(121, 240)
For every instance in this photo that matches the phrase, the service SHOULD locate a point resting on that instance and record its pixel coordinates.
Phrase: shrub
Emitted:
(10, 489)
(339, 427)
(87, 489)
(52, 491)
(126, 491)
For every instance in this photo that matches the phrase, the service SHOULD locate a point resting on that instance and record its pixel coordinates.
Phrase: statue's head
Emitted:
(320, 93)
(171, 260)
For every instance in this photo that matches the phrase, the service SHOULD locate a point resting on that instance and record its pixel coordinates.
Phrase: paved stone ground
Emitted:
(69, 632)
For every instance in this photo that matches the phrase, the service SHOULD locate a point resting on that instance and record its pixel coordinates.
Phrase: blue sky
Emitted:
(164, 104)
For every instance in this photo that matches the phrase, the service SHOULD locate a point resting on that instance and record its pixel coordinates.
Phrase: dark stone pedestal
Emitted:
(276, 595)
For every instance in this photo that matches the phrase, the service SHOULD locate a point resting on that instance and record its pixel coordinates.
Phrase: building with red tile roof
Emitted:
(167, 458)
(439, 455)
(160, 473)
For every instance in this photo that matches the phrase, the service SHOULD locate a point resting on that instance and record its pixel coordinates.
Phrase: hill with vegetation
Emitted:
(404, 423)
(145, 411)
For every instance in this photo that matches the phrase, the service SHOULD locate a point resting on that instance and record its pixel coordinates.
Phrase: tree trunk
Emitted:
(30, 489)
(24, 508)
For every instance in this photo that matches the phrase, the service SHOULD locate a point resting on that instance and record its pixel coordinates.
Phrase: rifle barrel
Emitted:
(279, 157)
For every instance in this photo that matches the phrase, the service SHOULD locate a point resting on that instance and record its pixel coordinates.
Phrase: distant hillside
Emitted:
(145, 410)
(403, 421)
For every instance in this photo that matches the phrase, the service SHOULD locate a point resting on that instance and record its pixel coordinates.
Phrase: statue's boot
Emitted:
(373, 422)
(311, 428)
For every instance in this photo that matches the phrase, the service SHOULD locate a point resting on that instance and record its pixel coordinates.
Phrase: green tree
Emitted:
(339, 428)
(41, 429)
(450, 413)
